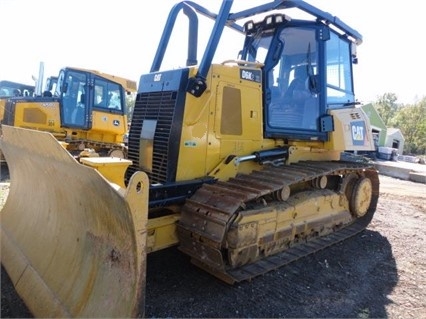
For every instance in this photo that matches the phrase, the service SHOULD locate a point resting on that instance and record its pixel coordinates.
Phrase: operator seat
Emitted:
(299, 82)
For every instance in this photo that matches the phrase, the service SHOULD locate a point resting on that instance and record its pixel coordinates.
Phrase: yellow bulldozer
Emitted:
(237, 163)
(86, 111)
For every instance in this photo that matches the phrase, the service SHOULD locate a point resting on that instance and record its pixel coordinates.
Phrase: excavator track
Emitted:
(249, 225)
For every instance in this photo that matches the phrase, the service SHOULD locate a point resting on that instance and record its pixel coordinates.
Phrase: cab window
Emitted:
(74, 98)
(107, 95)
(338, 70)
(294, 95)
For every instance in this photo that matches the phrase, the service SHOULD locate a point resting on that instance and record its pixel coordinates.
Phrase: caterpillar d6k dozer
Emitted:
(87, 111)
(242, 157)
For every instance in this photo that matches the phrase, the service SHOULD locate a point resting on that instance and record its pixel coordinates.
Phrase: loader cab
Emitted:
(50, 86)
(85, 95)
(14, 89)
(307, 72)
(9, 89)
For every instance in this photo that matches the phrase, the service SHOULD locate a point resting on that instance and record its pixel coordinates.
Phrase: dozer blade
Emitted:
(72, 243)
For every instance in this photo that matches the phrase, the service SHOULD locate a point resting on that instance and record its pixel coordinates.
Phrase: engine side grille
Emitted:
(160, 107)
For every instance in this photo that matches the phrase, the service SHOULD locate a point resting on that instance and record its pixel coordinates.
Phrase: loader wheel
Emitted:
(361, 197)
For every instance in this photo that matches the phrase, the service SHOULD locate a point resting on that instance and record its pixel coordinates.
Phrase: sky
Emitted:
(120, 37)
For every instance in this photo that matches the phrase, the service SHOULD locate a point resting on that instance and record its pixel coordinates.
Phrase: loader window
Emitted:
(108, 95)
(8, 89)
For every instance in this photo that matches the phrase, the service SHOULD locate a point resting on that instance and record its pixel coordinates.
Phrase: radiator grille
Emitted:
(159, 106)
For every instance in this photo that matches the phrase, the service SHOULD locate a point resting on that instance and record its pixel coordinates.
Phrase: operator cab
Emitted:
(307, 70)
(83, 92)
(14, 89)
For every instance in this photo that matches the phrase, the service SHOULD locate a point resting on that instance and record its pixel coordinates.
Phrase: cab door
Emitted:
(109, 114)
(75, 111)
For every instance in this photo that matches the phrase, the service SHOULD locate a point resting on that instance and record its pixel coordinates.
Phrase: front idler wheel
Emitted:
(362, 194)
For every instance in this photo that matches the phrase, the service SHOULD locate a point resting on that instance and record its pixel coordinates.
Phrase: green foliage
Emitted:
(386, 106)
(410, 119)
(130, 104)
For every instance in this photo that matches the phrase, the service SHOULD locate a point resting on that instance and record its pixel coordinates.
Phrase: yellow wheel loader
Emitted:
(87, 110)
(237, 163)
(9, 89)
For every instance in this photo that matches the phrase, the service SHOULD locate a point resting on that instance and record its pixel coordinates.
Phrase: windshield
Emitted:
(10, 89)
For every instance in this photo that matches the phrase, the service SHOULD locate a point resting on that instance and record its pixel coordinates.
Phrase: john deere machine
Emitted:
(224, 162)
(87, 110)
(9, 89)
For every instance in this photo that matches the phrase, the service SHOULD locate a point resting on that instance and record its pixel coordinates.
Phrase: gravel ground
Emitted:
(379, 273)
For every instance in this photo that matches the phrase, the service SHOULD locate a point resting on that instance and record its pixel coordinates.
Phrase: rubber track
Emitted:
(250, 186)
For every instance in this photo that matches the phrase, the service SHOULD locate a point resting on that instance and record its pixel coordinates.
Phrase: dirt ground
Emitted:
(379, 273)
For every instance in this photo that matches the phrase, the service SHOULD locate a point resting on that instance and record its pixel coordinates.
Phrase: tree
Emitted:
(130, 104)
(386, 106)
(411, 120)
